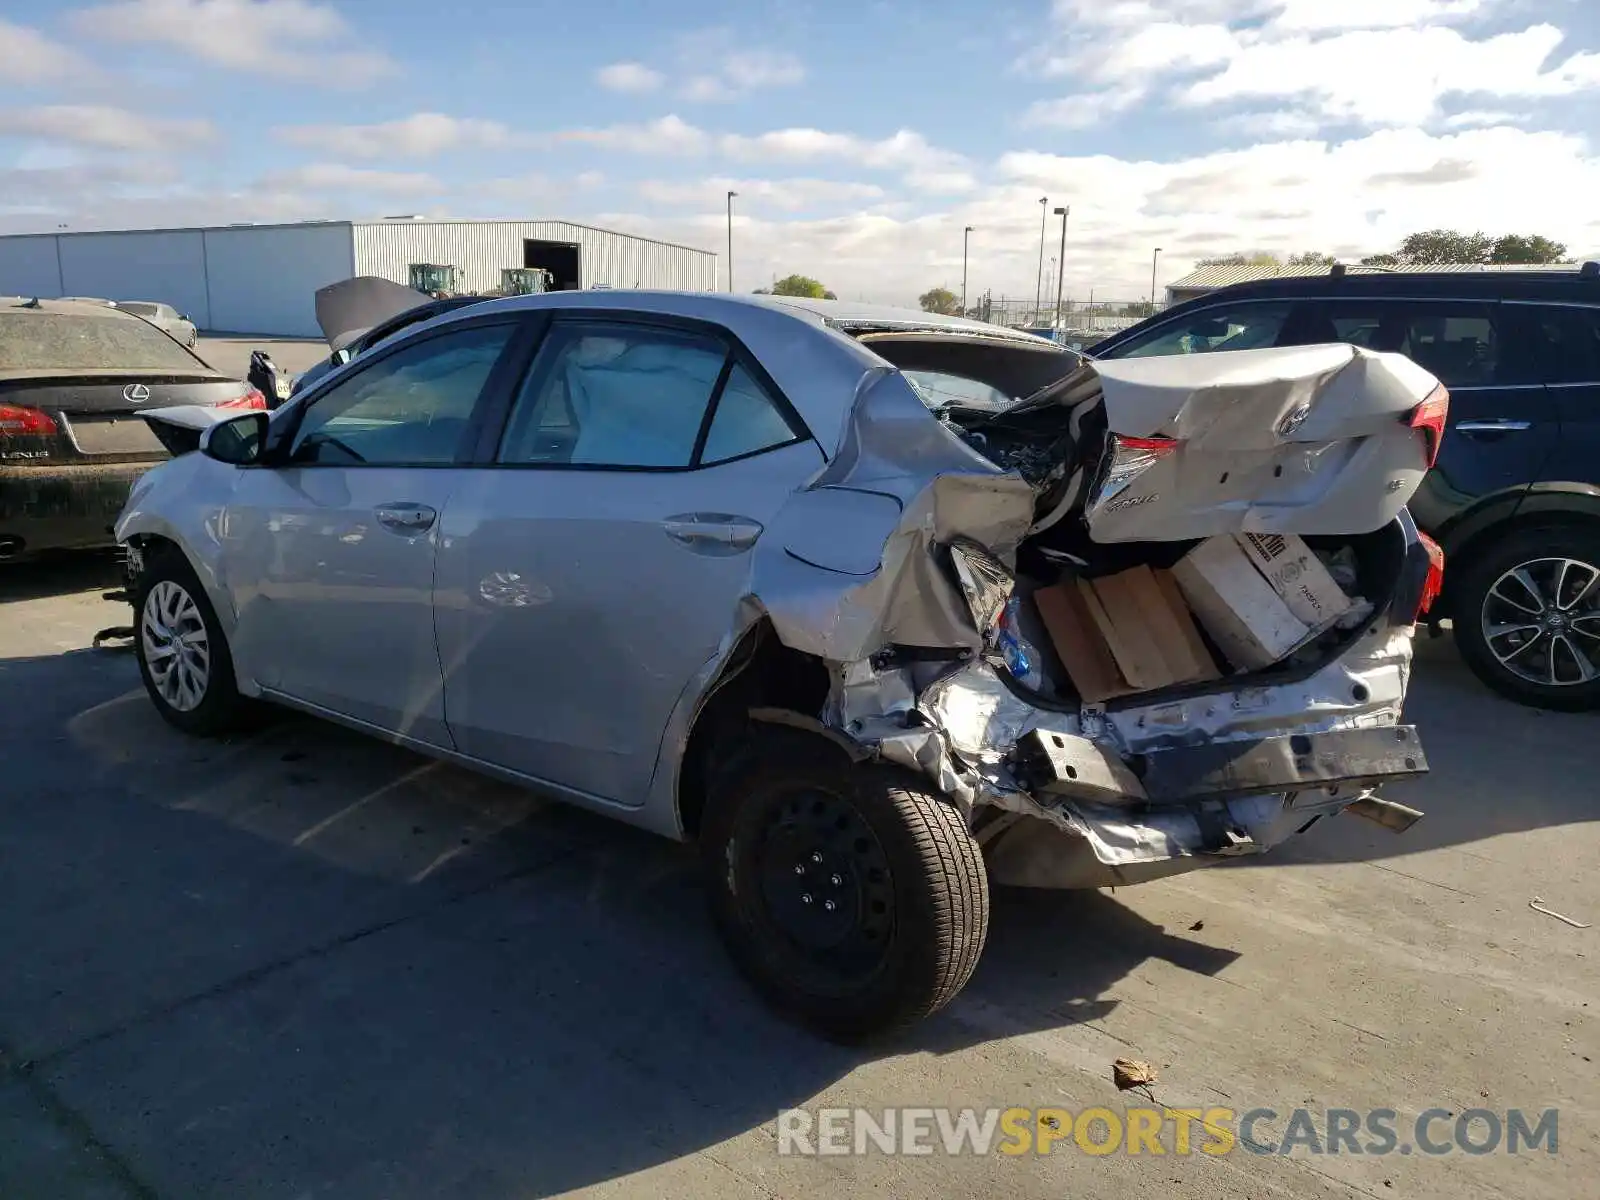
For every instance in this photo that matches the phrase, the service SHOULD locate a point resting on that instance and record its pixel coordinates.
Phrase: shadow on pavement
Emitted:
(60, 574)
(305, 962)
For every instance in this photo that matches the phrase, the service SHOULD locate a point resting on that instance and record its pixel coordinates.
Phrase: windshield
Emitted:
(138, 308)
(48, 341)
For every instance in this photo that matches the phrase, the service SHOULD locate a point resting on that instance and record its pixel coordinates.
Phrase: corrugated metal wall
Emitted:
(480, 249)
(264, 278)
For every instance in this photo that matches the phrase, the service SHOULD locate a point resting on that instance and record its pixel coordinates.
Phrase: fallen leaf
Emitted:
(1197, 927)
(1131, 1073)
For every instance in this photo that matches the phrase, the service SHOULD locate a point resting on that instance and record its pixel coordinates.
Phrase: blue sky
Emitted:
(862, 136)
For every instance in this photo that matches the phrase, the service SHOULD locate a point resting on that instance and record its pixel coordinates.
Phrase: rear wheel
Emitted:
(182, 651)
(850, 895)
(1527, 616)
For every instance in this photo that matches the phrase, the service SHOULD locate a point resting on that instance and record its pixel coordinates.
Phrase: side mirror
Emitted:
(238, 441)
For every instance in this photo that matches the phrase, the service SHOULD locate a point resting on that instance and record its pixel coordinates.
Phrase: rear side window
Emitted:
(1569, 342)
(622, 396)
(31, 340)
(1457, 343)
(1225, 327)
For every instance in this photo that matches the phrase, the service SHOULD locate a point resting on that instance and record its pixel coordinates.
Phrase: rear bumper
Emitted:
(62, 506)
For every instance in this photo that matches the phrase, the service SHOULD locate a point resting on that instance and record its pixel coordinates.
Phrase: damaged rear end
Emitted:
(1156, 614)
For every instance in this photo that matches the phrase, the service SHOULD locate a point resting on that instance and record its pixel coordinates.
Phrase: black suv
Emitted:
(1514, 498)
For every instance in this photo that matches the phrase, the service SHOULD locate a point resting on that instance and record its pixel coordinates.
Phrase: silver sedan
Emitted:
(768, 574)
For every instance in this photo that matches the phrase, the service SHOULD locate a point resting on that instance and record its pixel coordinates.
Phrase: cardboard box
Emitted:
(1244, 614)
(1123, 633)
(1297, 575)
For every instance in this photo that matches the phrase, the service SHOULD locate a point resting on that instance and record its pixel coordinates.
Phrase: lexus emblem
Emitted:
(136, 393)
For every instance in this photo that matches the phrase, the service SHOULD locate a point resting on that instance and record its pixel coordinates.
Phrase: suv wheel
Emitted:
(1527, 617)
(850, 894)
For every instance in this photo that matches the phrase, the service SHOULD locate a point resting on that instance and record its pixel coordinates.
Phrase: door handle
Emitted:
(1492, 425)
(713, 533)
(406, 518)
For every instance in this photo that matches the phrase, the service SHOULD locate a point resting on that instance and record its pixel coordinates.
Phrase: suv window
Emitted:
(411, 407)
(621, 396)
(1570, 342)
(1242, 326)
(1457, 342)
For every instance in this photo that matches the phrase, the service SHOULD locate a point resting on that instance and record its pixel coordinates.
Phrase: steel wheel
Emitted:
(177, 651)
(1541, 621)
(826, 884)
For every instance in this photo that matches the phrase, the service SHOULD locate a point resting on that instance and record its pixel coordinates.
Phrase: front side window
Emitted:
(411, 407)
(1236, 327)
(620, 396)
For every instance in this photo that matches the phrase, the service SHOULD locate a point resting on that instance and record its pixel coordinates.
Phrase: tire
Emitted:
(182, 652)
(793, 817)
(1564, 558)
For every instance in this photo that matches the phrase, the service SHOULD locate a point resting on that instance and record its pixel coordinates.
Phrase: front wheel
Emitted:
(1527, 617)
(182, 651)
(850, 894)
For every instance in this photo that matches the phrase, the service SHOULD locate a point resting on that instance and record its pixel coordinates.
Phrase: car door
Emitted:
(329, 551)
(1570, 337)
(1502, 425)
(590, 571)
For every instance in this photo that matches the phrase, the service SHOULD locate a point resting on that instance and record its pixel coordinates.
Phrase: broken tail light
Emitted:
(251, 399)
(25, 422)
(1429, 417)
(1130, 458)
(1434, 584)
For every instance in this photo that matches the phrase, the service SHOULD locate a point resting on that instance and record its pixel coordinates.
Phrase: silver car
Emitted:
(165, 318)
(740, 570)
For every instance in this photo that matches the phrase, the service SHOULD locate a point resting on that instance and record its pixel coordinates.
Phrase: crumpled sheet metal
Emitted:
(897, 489)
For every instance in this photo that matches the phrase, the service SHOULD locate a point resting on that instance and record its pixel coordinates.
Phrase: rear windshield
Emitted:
(138, 309)
(47, 341)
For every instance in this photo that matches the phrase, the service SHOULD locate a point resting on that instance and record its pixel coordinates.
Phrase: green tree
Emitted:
(939, 300)
(1311, 258)
(1241, 258)
(1436, 246)
(1527, 248)
(1381, 260)
(801, 285)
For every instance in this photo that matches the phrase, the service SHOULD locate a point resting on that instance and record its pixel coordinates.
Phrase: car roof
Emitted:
(1466, 285)
(78, 308)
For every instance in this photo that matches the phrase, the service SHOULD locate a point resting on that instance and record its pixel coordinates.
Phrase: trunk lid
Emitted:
(348, 309)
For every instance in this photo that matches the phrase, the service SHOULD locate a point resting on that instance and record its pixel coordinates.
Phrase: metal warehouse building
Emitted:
(262, 278)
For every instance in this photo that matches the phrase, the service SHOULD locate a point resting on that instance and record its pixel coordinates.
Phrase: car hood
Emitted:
(348, 309)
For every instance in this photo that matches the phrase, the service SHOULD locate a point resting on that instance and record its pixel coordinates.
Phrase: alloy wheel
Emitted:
(176, 649)
(1541, 621)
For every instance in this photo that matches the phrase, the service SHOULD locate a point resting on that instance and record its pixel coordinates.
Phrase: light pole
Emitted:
(1038, 282)
(1061, 262)
(966, 234)
(731, 195)
(1154, 258)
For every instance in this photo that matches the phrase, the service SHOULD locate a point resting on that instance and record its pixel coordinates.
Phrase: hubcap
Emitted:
(1541, 621)
(825, 882)
(172, 634)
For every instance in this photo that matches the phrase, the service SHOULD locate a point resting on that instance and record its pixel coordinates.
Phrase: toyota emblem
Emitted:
(136, 393)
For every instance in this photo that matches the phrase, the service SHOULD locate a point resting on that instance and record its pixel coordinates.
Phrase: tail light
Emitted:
(251, 399)
(25, 422)
(1131, 457)
(1429, 417)
(1434, 583)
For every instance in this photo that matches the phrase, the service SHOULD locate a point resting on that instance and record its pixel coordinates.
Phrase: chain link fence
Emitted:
(1082, 321)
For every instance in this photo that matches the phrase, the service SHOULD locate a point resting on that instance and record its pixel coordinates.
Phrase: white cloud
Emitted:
(105, 127)
(417, 136)
(629, 77)
(296, 39)
(1317, 58)
(27, 56)
(338, 177)
(782, 194)
(925, 165)
(665, 135)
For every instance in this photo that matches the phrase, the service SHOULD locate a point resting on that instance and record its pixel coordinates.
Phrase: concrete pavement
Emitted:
(306, 964)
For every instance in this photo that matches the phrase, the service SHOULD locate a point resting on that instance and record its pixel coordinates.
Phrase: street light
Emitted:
(1061, 262)
(731, 195)
(966, 234)
(1038, 282)
(1154, 258)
